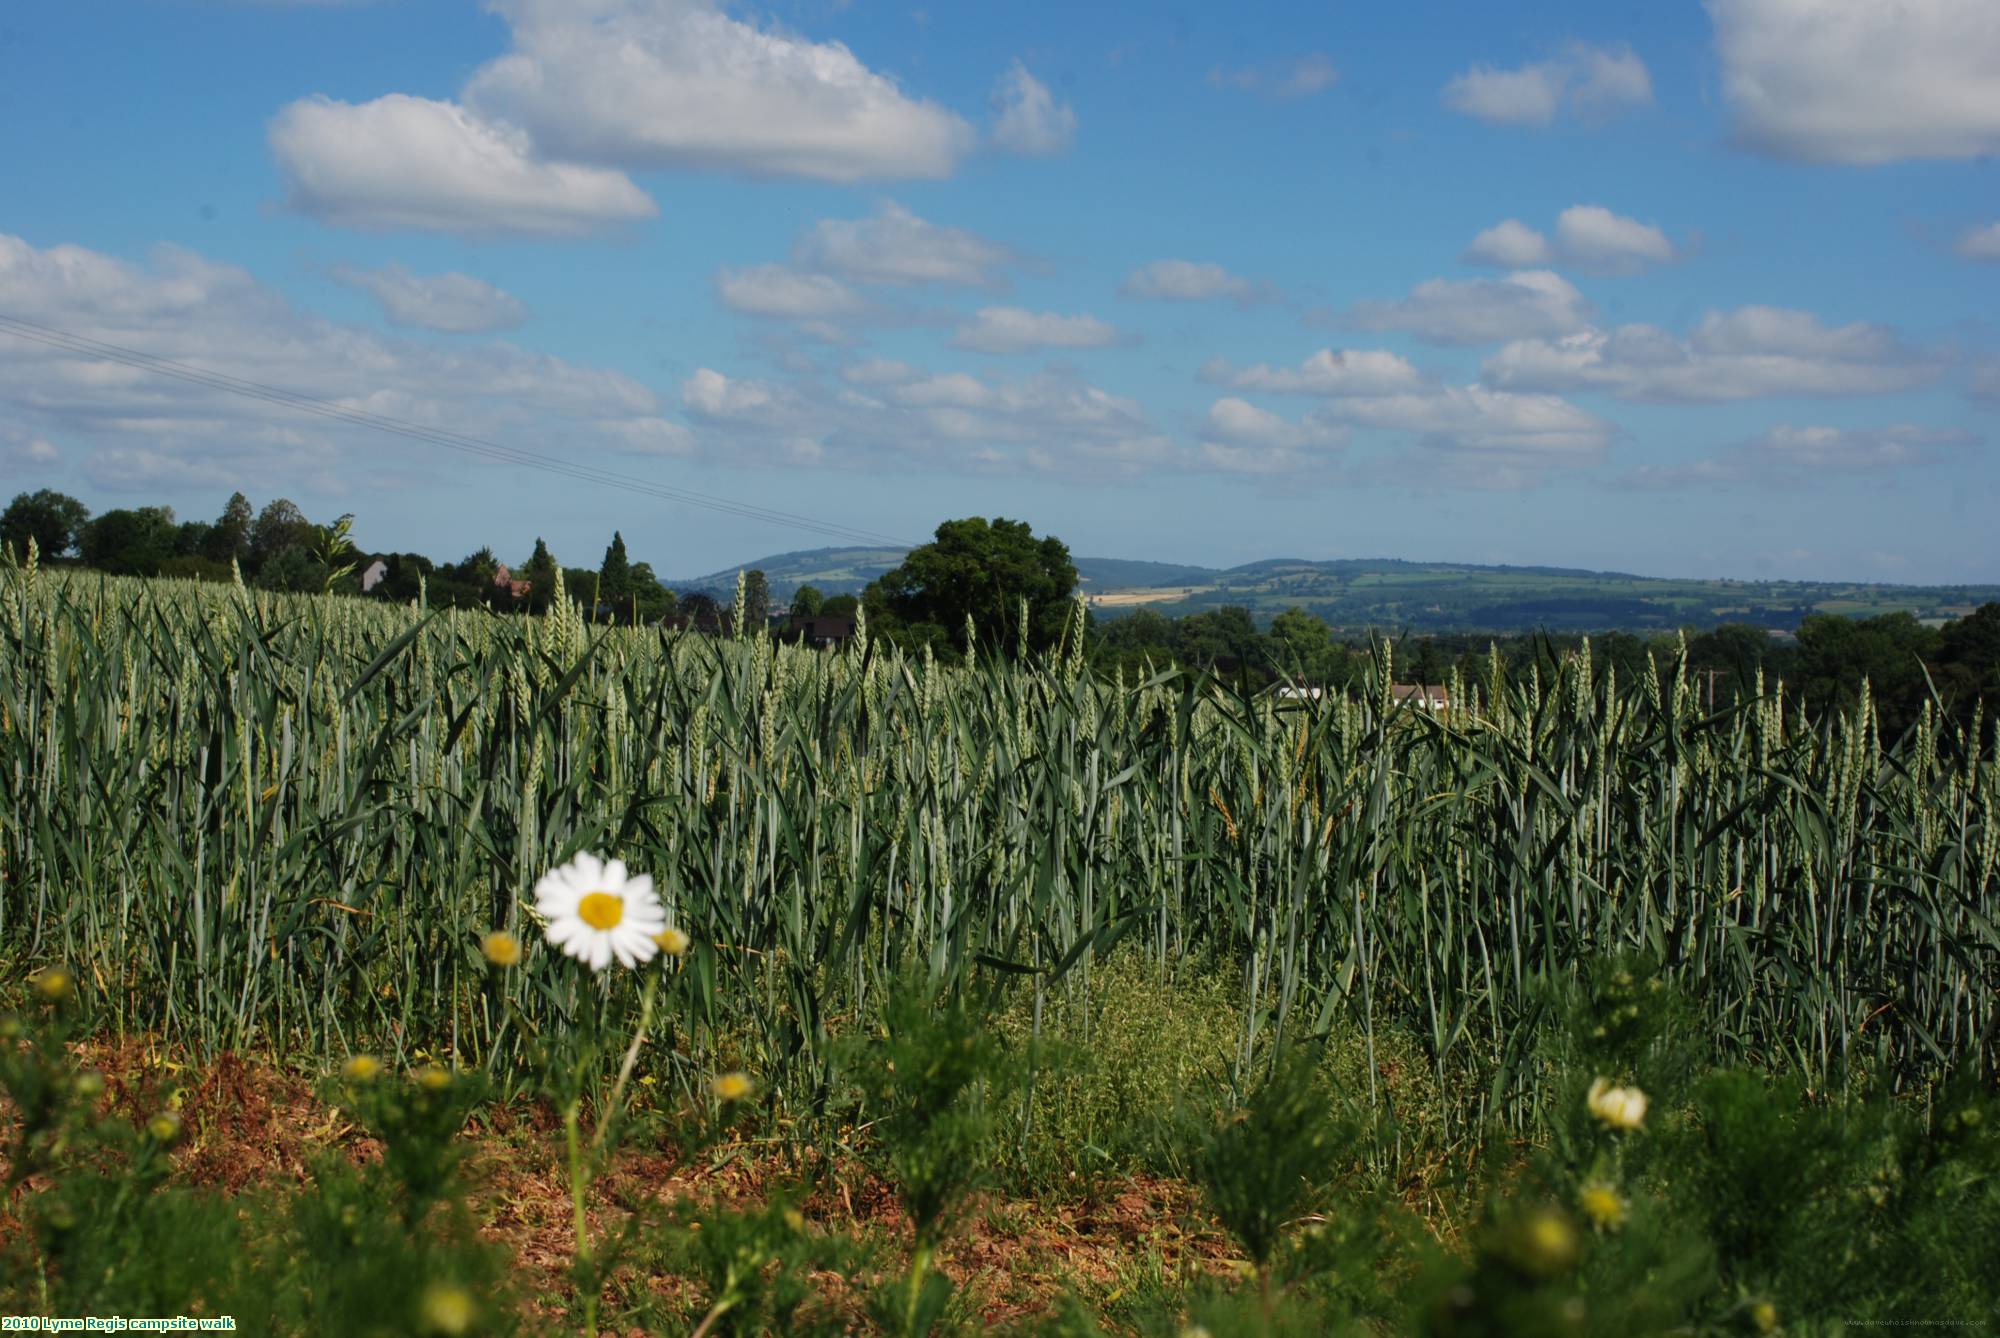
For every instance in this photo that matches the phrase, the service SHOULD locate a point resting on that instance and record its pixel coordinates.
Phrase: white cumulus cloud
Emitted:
(1592, 81)
(1509, 244)
(1861, 81)
(1795, 455)
(1734, 355)
(1239, 437)
(897, 247)
(1285, 81)
(682, 83)
(1595, 240)
(1188, 281)
(889, 414)
(1588, 237)
(128, 426)
(1981, 243)
(1468, 436)
(404, 162)
(1017, 330)
(451, 303)
(1328, 372)
(787, 293)
(1027, 119)
(1525, 304)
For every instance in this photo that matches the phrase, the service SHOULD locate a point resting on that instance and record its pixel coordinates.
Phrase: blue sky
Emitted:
(1681, 289)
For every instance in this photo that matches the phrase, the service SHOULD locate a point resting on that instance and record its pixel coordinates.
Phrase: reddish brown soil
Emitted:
(248, 1124)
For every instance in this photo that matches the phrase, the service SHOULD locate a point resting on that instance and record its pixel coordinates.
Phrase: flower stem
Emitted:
(580, 1163)
(578, 1177)
(614, 1106)
(920, 1267)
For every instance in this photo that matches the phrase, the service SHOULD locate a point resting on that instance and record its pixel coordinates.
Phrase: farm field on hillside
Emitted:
(996, 993)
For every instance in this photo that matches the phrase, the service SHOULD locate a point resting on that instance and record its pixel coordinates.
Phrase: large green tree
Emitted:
(540, 574)
(614, 578)
(1889, 651)
(52, 519)
(806, 601)
(653, 600)
(1969, 660)
(130, 542)
(981, 570)
(280, 525)
(293, 570)
(1302, 646)
(229, 537)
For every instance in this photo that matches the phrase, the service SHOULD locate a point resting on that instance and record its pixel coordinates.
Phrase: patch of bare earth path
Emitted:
(250, 1125)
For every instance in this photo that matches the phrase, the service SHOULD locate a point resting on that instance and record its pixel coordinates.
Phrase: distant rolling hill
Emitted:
(844, 571)
(1389, 593)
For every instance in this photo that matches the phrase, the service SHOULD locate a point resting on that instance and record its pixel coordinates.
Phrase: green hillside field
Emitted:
(1355, 594)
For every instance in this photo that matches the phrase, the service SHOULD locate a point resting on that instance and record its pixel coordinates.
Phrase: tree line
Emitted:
(996, 586)
(279, 548)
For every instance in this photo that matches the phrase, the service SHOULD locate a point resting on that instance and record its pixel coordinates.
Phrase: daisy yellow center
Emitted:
(601, 910)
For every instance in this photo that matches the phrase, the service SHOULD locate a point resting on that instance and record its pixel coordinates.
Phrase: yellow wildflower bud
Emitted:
(1542, 1244)
(501, 948)
(1765, 1316)
(733, 1087)
(361, 1068)
(673, 942)
(1602, 1204)
(88, 1085)
(449, 1310)
(52, 984)
(165, 1127)
(795, 1219)
(434, 1078)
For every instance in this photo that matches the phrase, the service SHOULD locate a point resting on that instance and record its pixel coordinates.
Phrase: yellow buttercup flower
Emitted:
(434, 1077)
(673, 942)
(1551, 1239)
(165, 1127)
(449, 1310)
(1765, 1316)
(1619, 1107)
(361, 1068)
(501, 948)
(52, 984)
(1603, 1205)
(733, 1087)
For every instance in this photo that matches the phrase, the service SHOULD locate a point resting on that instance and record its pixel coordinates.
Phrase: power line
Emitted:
(457, 441)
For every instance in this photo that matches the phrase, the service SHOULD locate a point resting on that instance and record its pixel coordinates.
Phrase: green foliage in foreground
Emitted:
(1734, 1203)
(389, 1248)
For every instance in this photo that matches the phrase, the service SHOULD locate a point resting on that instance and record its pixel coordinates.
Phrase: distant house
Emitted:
(373, 576)
(703, 624)
(1428, 696)
(821, 633)
(504, 580)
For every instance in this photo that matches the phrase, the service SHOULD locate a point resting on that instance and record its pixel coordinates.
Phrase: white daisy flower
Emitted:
(597, 911)
(1619, 1107)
